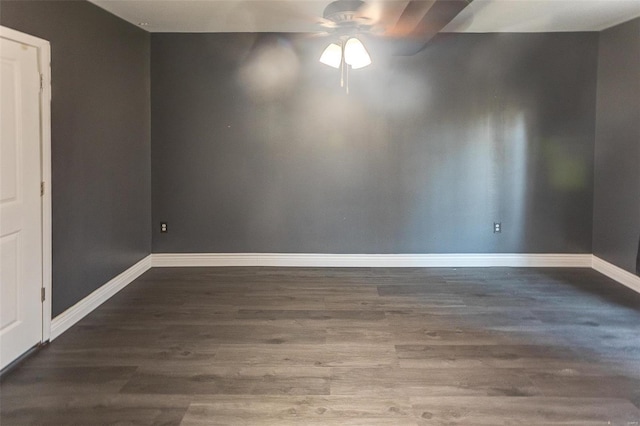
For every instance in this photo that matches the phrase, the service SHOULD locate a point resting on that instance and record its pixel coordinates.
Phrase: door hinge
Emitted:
(41, 82)
(41, 189)
(42, 294)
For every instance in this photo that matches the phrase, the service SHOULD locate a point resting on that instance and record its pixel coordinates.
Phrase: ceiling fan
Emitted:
(407, 26)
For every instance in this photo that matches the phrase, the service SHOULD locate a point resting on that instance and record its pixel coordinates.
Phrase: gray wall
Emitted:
(616, 224)
(100, 141)
(256, 148)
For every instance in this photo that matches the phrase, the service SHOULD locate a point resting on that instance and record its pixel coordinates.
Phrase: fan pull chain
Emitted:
(344, 69)
(342, 64)
(347, 72)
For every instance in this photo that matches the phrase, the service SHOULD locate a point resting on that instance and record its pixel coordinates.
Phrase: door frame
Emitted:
(44, 64)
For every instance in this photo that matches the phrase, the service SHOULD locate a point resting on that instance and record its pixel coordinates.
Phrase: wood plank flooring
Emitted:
(362, 346)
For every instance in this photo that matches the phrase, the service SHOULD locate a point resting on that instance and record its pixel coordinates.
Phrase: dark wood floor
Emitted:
(237, 346)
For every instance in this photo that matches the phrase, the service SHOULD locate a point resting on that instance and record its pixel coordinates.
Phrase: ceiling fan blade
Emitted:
(380, 13)
(419, 22)
(325, 23)
(425, 21)
(317, 35)
(412, 14)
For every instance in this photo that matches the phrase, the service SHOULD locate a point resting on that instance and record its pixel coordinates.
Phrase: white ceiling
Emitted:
(299, 15)
(543, 15)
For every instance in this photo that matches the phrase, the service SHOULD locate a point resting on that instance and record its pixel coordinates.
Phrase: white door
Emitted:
(20, 201)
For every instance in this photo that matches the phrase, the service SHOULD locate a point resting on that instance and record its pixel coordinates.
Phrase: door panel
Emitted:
(20, 201)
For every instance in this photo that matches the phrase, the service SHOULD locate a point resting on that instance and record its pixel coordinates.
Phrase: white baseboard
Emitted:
(68, 318)
(618, 274)
(71, 316)
(371, 260)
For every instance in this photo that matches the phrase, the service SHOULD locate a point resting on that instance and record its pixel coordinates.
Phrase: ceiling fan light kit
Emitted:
(416, 22)
(355, 54)
(348, 52)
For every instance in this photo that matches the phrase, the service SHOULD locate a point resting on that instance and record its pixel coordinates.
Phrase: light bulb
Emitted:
(355, 54)
(332, 56)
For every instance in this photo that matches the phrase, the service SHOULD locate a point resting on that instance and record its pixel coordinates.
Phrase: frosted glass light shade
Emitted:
(332, 56)
(355, 54)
